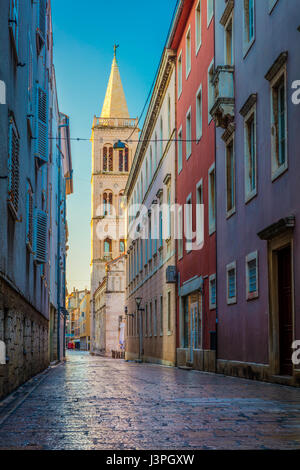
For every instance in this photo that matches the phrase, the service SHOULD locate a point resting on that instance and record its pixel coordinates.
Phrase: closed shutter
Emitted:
(41, 142)
(252, 276)
(40, 236)
(29, 217)
(231, 283)
(42, 18)
(13, 166)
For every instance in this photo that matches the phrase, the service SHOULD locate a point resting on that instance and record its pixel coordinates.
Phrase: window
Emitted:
(160, 224)
(121, 204)
(155, 152)
(199, 114)
(169, 221)
(122, 246)
(180, 233)
(212, 199)
(179, 150)
(169, 312)
(230, 178)
(212, 292)
(188, 134)
(250, 155)
(107, 246)
(161, 137)
(30, 110)
(252, 276)
(29, 217)
(179, 74)
(198, 26)
(161, 315)
(40, 236)
(210, 89)
(200, 214)
(13, 166)
(121, 160)
(146, 320)
(126, 164)
(41, 24)
(111, 159)
(189, 224)
(105, 159)
(169, 117)
(13, 23)
(107, 203)
(188, 52)
(41, 141)
(210, 11)
(231, 283)
(229, 42)
(155, 318)
(249, 24)
(150, 319)
(279, 125)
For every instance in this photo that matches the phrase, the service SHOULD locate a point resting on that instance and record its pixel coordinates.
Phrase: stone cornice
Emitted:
(288, 223)
(227, 12)
(279, 62)
(248, 105)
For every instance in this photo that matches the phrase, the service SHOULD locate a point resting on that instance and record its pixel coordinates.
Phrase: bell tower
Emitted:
(112, 155)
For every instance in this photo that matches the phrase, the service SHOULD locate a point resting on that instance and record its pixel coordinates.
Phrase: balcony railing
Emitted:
(107, 256)
(115, 122)
(223, 108)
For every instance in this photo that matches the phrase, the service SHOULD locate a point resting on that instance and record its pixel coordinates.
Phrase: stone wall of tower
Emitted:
(114, 182)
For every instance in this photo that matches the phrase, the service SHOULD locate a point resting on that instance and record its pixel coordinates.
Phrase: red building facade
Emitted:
(193, 39)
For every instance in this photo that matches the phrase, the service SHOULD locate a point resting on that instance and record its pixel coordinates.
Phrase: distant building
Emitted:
(32, 195)
(84, 322)
(257, 174)
(112, 157)
(150, 191)
(109, 320)
(73, 301)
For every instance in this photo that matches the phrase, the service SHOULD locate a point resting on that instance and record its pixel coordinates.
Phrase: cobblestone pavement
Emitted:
(96, 403)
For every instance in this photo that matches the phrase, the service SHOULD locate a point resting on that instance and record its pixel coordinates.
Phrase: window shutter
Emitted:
(13, 166)
(252, 276)
(40, 238)
(231, 284)
(29, 218)
(41, 25)
(41, 138)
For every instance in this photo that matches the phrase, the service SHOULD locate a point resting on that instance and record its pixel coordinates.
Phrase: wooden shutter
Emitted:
(29, 217)
(40, 236)
(41, 137)
(13, 166)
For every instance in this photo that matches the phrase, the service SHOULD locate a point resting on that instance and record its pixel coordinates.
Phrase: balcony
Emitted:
(115, 122)
(223, 108)
(107, 257)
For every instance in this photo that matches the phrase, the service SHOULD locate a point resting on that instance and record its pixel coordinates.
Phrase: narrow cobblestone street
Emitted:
(95, 403)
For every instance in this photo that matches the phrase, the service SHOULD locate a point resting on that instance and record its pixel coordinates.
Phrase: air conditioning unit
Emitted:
(171, 275)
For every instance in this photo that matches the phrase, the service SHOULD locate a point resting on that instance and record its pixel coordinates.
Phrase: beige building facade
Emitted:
(150, 267)
(109, 311)
(114, 141)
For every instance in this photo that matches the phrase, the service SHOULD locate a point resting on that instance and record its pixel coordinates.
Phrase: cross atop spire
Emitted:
(115, 105)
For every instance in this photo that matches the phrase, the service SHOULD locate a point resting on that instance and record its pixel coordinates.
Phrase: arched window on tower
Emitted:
(121, 161)
(121, 204)
(126, 164)
(122, 246)
(107, 248)
(111, 159)
(107, 203)
(104, 158)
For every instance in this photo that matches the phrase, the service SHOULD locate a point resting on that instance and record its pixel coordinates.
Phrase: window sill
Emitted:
(198, 138)
(250, 196)
(188, 155)
(188, 73)
(170, 333)
(247, 47)
(212, 230)
(231, 301)
(212, 307)
(279, 171)
(252, 296)
(230, 213)
(198, 47)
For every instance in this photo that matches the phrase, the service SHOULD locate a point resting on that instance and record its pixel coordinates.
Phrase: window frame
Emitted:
(198, 26)
(230, 142)
(252, 295)
(199, 213)
(179, 75)
(276, 169)
(179, 151)
(212, 223)
(189, 224)
(247, 43)
(188, 52)
(210, 11)
(180, 233)
(210, 90)
(230, 19)
(188, 138)
(230, 267)
(212, 278)
(199, 126)
(251, 115)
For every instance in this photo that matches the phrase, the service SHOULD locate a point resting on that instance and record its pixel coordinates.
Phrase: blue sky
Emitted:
(84, 35)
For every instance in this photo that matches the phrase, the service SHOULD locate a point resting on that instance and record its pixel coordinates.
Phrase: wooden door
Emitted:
(285, 310)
